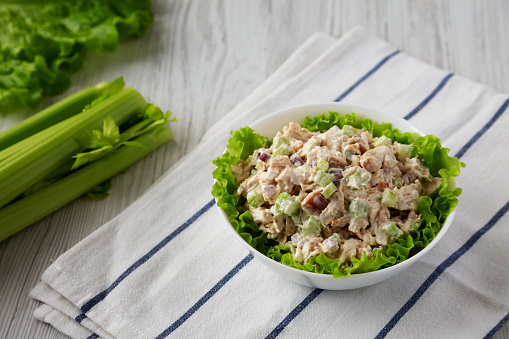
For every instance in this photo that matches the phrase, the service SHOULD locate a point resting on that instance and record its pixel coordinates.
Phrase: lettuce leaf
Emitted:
(433, 209)
(242, 144)
(41, 43)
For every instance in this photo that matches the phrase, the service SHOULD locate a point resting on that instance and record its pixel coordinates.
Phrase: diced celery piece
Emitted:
(358, 209)
(312, 143)
(291, 206)
(398, 182)
(383, 140)
(323, 179)
(389, 198)
(322, 165)
(297, 220)
(254, 199)
(284, 149)
(392, 229)
(404, 152)
(288, 204)
(349, 130)
(311, 227)
(300, 169)
(329, 189)
(254, 171)
(278, 141)
(359, 178)
(282, 196)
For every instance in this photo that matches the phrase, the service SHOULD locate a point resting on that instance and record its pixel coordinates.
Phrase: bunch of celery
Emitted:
(74, 147)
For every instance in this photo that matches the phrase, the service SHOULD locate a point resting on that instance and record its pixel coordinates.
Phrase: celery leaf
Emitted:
(100, 191)
(100, 143)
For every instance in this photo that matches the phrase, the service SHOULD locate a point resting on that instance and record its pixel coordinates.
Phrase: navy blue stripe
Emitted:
(497, 328)
(93, 336)
(294, 313)
(80, 318)
(92, 302)
(483, 130)
(206, 297)
(367, 75)
(431, 96)
(440, 269)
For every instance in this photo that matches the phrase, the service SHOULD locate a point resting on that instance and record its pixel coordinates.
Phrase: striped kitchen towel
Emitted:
(168, 267)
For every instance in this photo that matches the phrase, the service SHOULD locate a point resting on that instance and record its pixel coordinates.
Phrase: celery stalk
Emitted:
(55, 130)
(61, 110)
(50, 148)
(20, 214)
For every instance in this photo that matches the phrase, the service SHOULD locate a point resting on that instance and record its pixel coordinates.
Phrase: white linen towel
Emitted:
(168, 267)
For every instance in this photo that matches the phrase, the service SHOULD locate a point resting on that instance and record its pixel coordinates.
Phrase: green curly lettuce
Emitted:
(42, 42)
(242, 144)
(433, 209)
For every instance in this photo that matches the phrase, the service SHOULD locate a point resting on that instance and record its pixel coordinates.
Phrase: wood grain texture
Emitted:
(201, 58)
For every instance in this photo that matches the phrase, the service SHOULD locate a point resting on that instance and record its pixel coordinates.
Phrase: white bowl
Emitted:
(268, 126)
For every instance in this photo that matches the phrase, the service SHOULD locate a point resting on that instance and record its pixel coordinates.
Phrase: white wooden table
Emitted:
(199, 59)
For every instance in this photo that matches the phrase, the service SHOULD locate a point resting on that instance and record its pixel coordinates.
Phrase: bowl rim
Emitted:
(362, 111)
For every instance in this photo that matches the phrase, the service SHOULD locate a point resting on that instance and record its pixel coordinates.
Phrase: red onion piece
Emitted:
(270, 189)
(410, 177)
(338, 174)
(264, 157)
(296, 178)
(296, 160)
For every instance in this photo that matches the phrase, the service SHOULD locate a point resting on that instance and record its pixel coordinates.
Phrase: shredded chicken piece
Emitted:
(333, 139)
(318, 153)
(414, 168)
(261, 214)
(248, 185)
(408, 196)
(273, 228)
(335, 207)
(284, 180)
(308, 248)
(348, 249)
(241, 171)
(358, 224)
(294, 132)
(375, 158)
(341, 222)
